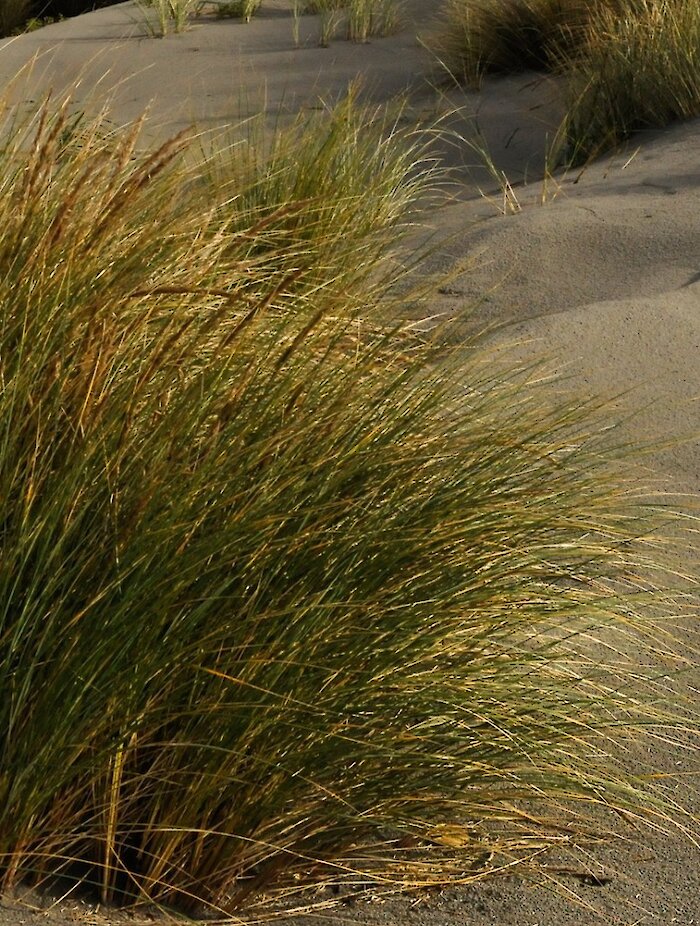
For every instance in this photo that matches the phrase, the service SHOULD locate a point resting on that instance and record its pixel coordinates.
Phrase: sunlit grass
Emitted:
(284, 590)
(241, 9)
(170, 15)
(340, 187)
(480, 37)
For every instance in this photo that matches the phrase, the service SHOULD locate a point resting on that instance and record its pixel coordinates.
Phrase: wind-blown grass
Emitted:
(281, 595)
(339, 186)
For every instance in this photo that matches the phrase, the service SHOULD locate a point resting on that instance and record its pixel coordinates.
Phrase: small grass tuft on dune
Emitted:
(287, 595)
(332, 193)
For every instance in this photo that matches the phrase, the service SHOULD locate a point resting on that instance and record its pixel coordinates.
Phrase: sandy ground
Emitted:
(603, 278)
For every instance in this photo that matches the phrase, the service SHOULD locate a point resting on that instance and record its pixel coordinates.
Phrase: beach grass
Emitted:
(480, 37)
(171, 15)
(13, 15)
(289, 593)
(332, 191)
(238, 9)
(359, 20)
(356, 20)
(624, 65)
(640, 71)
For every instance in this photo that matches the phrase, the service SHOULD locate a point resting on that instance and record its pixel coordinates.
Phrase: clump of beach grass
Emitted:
(333, 191)
(13, 15)
(358, 19)
(286, 595)
(171, 15)
(624, 65)
(480, 37)
(237, 9)
(640, 70)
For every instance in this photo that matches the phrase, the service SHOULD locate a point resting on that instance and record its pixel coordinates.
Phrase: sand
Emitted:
(602, 278)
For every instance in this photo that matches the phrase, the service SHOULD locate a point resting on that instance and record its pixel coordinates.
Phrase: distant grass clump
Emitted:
(238, 9)
(359, 20)
(304, 185)
(480, 37)
(283, 598)
(13, 15)
(640, 70)
(171, 15)
(176, 15)
(625, 64)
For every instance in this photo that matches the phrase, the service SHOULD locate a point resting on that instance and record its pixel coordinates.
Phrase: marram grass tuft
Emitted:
(641, 71)
(475, 38)
(286, 596)
(624, 65)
